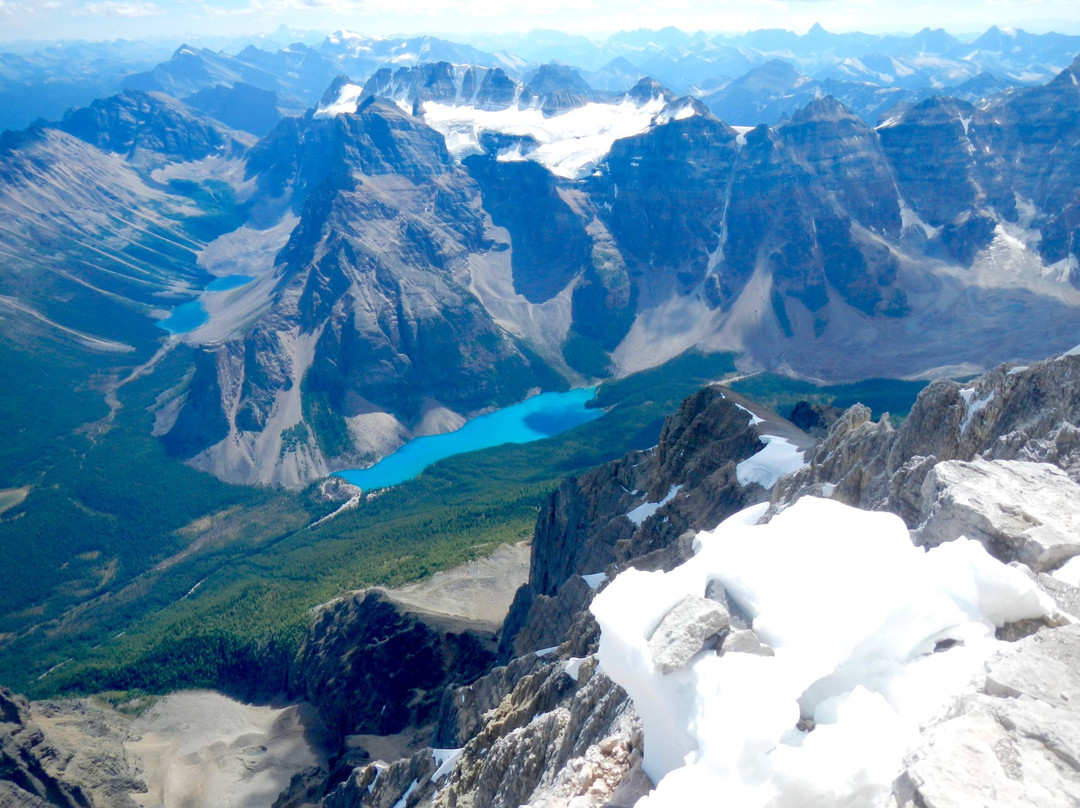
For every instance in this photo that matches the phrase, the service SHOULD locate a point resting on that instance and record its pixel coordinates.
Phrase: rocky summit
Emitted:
(548, 727)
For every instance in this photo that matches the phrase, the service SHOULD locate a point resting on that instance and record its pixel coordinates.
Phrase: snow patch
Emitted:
(569, 144)
(1069, 572)
(408, 793)
(677, 111)
(573, 667)
(644, 511)
(1075, 351)
(444, 761)
(856, 616)
(754, 420)
(595, 579)
(348, 98)
(973, 406)
(779, 457)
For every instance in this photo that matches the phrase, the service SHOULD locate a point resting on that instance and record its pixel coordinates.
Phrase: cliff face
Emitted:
(369, 327)
(370, 666)
(25, 755)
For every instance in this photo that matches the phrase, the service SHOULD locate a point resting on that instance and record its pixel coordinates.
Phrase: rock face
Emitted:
(24, 757)
(1012, 507)
(370, 666)
(1015, 742)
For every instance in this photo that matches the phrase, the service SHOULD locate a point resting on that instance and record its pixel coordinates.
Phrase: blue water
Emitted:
(539, 417)
(185, 317)
(229, 282)
(189, 316)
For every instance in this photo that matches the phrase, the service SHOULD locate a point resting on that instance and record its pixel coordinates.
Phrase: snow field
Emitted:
(873, 639)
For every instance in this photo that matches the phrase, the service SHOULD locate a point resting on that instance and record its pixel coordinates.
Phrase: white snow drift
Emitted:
(873, 638)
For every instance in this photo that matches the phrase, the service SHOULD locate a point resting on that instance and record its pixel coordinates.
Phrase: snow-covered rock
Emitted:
(685, 631)
(873, 638)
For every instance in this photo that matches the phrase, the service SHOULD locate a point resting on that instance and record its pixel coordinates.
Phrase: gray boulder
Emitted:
(685, 631)
(1019, 511)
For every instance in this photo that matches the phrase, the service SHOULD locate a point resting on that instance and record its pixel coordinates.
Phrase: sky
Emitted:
(112, 19)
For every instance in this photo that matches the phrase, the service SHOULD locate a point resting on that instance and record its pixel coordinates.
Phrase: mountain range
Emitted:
(444, 239)
(275, 264)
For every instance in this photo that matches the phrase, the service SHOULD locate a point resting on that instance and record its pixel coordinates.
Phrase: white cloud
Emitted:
(119, 8)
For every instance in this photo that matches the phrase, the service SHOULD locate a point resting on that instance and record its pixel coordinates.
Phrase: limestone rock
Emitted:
(1029, 512)
(685, 631)
(1017, 743)
(744, 641)
(25, 755)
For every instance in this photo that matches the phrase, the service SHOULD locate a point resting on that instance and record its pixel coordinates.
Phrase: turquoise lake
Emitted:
(189, 316)
(542, 416)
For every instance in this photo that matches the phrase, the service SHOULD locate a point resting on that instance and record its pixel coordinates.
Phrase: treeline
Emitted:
(244, 670)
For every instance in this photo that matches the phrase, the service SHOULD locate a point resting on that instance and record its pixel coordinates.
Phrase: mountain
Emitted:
(357, 55)
(767, 94)
(618, 75)
(242, 107)
(550, 88)
(405, 275)
(298, 74)
(365, 329)
(44, 80)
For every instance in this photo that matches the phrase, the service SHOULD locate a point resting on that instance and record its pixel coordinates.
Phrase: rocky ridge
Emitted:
(537, 731)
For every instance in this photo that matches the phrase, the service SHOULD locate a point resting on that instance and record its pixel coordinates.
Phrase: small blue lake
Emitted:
(229, 282)
(542, 416)
(189, 316)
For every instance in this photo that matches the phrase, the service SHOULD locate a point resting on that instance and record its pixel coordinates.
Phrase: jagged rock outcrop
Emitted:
(25, 758)
(596, 520)
(1016, 742)
(1012, 507)
(371, 666)
(1025, 413)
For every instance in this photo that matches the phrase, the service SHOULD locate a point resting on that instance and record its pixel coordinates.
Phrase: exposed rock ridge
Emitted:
(24, 759)
(1013, 413)
(1021, 737)
(546, 728)
(372, 666)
